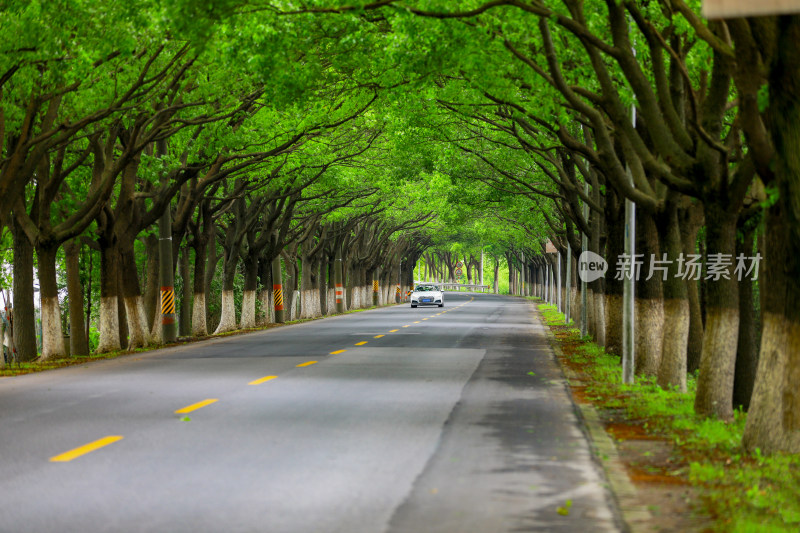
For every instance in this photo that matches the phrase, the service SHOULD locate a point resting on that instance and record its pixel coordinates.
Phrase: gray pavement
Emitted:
(458, 423)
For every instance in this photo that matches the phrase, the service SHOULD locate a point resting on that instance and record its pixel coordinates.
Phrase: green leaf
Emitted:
(564, 511)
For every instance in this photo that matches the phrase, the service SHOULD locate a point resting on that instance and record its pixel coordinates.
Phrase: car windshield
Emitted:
(424, 288)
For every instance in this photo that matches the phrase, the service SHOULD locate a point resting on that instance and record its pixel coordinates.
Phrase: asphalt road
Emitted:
(449, 420)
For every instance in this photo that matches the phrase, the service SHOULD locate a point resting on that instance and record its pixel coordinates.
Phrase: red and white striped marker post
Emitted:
(338, 278)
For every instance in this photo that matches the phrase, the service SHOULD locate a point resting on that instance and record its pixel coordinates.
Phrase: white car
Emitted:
(425, 294)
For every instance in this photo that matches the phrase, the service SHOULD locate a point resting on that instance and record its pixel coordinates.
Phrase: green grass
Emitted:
(17, 369)
(745, 492)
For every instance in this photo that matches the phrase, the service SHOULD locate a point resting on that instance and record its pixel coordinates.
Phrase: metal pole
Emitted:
(169, 330)
(628, 292)
(628, 287)
(628, 282)
(277, 290)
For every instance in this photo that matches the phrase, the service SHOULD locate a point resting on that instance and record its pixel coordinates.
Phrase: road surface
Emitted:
(452, 420)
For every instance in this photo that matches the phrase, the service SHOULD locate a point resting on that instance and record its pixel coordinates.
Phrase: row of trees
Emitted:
(583, 106)
(382, 131)
(111, 144)
(686, 128)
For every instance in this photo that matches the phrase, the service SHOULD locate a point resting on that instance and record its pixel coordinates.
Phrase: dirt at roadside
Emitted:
(654, 466)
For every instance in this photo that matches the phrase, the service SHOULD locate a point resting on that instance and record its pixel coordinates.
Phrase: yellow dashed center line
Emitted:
(378, 336)
(362, 343)
(307, 363)
(337, 352)
(393, 330)
(424, 319)
(196, 406)
(416, 322)
(86, 448)
(407, 325)
(262, 380)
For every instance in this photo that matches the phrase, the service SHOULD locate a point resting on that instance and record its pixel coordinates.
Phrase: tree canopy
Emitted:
(372, 136)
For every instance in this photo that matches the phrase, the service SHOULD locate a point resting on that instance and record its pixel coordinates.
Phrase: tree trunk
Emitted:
(773, 423)
(211, 271)
(109, 307)
(89, 296)
(598, 317)
(496, 281)
(199, 324)
(615, 246)
(510, 274)
(324, 284)
(575, 303)
(309, 290)
(151, 289)
(249, 293)
(138, 327)
(590, 311)
(290, 289)
(22, 287)
(264, 294)
(770, 425)
(718, 360)
(79, 343)
(672, 367)
(123, 319)
(746, 350)
(649, 301)
(185, 315)
(156, 332)
(691, 219)
(52, 335)
(227, 320)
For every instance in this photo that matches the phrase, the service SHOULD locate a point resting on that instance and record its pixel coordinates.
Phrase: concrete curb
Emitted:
(637, 517)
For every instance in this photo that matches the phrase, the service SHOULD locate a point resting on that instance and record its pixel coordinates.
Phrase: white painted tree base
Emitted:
(109, 325)
(228, 320)
(199, 327)
(52, 336)
(267, 308)
(155, 331)
(249, 309)
(138, 332)
(331, 301)
(765, 428)
(310, 304)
